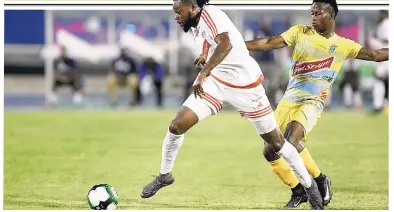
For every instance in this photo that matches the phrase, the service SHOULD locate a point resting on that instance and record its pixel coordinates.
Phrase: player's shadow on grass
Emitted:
(36, 204)
(360, 190)
(149, 204)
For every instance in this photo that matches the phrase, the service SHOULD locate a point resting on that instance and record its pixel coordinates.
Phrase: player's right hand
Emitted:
(197, 86)
(200, 61)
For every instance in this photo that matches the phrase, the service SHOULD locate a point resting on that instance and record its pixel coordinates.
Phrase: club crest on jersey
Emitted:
(203, 34)
(332, 48)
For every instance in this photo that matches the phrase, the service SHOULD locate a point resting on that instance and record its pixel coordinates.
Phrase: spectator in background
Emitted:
(150, 72)
(123, 73)
(190, 76)
(350, 87)
(65, 74)
(380, 39)
(284, 72)
(268, 63)
(188, 70)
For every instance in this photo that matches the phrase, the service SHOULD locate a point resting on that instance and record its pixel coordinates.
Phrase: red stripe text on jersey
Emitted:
(307, 67)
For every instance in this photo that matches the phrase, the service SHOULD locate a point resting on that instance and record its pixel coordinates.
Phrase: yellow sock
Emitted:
(284, 172)
(310, 164)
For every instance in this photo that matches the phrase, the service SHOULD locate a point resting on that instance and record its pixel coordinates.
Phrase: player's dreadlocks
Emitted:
(200, 3)
(332, 3)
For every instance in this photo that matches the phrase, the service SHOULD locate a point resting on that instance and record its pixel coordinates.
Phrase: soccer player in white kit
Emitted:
(230, 75)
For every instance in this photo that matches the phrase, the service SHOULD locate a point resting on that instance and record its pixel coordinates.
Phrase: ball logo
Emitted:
(308, 67)
(114, 192)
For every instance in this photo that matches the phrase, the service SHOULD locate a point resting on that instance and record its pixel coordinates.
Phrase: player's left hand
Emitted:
(197, 86)
(200, 61)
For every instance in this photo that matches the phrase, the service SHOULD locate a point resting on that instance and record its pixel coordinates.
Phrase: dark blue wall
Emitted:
(24, 27)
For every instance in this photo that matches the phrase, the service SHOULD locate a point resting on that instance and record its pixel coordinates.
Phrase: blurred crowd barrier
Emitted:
(94, 39)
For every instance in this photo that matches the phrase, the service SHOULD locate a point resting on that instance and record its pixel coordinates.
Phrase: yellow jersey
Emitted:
(316, 61)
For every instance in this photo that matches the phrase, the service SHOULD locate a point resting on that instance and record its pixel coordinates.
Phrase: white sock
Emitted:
(378, 94)
(293, 158)
(348, 95)
(77, 98)
(171, 145)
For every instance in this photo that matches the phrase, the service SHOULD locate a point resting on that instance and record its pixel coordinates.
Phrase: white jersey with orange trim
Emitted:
(238, 69)
(237, 80)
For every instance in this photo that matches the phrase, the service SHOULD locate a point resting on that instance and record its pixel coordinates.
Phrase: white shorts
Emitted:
(252, 103)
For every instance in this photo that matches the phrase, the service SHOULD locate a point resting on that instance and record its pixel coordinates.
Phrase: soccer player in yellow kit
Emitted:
(317, 58)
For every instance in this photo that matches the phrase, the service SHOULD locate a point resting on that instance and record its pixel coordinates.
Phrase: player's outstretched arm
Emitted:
(373, 55)
(265, 44)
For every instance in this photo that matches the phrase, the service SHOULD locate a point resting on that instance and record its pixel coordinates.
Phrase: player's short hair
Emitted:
(332, 3)
(199, 3)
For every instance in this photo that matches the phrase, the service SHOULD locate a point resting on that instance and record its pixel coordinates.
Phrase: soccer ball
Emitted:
(102, 197)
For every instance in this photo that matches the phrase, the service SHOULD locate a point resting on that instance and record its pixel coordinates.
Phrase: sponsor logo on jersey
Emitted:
(311, 66)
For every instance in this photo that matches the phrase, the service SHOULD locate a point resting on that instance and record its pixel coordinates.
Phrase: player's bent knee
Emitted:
(294, 133)
(293, 140)
(294, 130)
(184, 120)
(269, 153)
(274, 138)
(176, 127)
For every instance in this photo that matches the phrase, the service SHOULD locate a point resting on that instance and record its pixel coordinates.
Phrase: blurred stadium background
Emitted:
(51, 159)
(94, 38)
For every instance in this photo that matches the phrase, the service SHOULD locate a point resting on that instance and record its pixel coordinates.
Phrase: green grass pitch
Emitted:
(51, 159)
